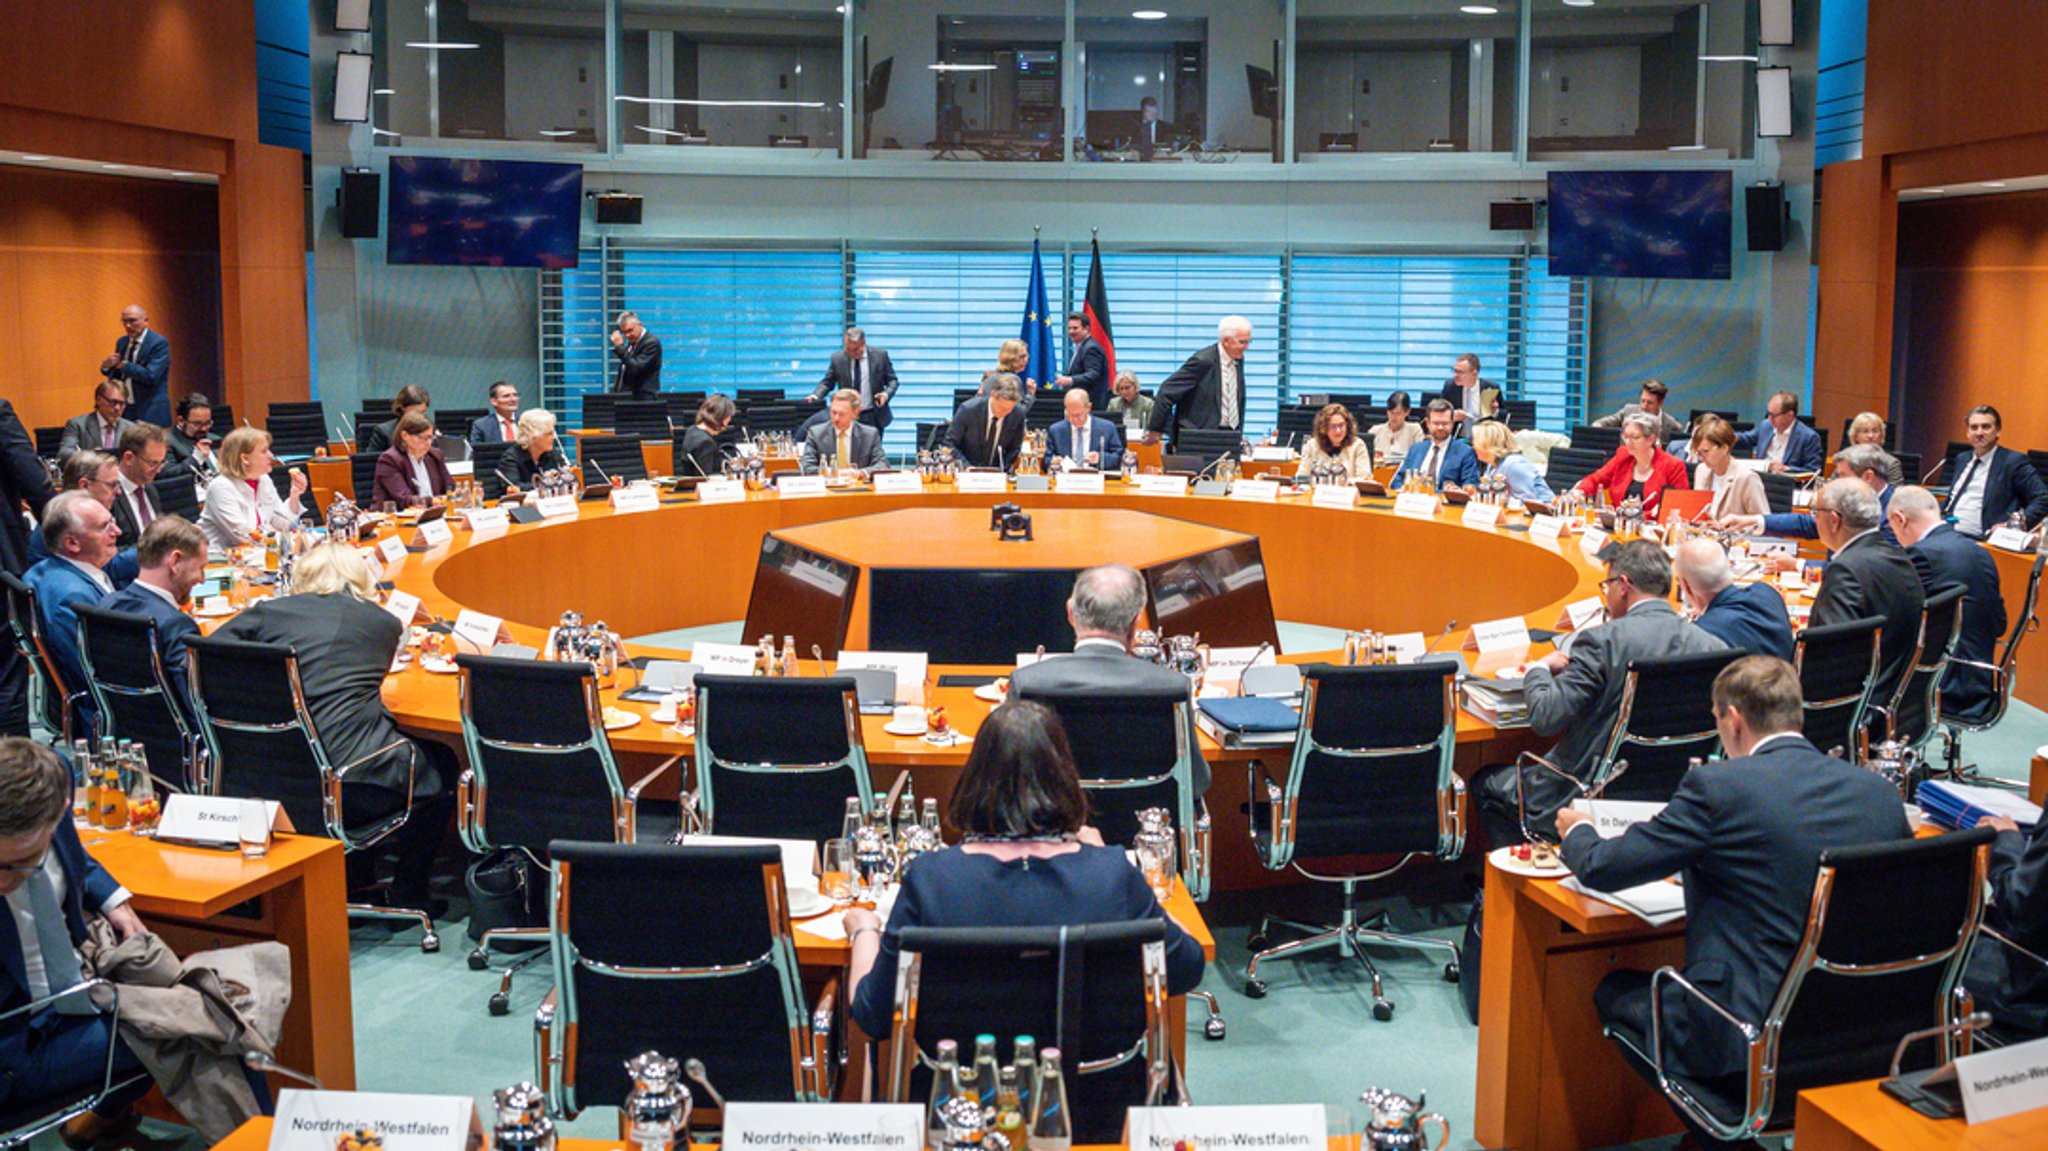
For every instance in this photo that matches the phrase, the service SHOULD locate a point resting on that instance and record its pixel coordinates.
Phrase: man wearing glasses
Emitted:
(191, 446)
(1868, 576)
(100, 429)
(142, 360)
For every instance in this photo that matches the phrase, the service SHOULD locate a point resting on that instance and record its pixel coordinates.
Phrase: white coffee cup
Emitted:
(215, 603)
(665, 711)
(909, 716)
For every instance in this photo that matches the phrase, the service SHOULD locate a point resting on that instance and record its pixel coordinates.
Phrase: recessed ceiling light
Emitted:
(382, 132)
(442, 45)
(1138, 80)
(384, 92)
(1994, 183)
(660, 131)
(1729, 59)
(1479, 10)
(114, 167)
(1578, 3)
(961, 67)
(557, 132)
(26, 156)
(675, 101)
(1687, 148)
(1148, 14)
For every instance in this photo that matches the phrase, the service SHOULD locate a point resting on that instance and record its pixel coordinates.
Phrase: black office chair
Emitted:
(1567, 466)
(362, 470)
(57, 702)
(777, 418)
(1693, 420)
(223, 420)
(535, 730)
(296, 431)
(1984, 716)
(22, 1123)
(1949, 473)
(1837, 668)
(2039, 459)
(642, 419)
(1606, 441)
(1909, 465)
(1298, 424)
(1371, 774)
(619, 456)
(134, 695)
(757, 396)
(1779, 490)
(1096, 991)
(682, 950)
(779, 757)
(48, 441)
(1135, 748)
(1871, 968)
(962, 395)
(363, 421)
(931, 436)
(178, 495)
(1911, 714)
(1047, 408)
(1207, 444)
(455, 422)
(682, 406)
(1518, 414)
(261, 744)
(598, 410)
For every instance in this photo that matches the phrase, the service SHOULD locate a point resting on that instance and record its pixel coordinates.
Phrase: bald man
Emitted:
(1750, 617)
(142, 358)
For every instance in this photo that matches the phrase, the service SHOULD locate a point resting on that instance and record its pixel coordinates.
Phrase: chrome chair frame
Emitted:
(1934, 673)
(1192, 815)
(22, 1136)
(701, 806)
(2004, 674)
(1282, 807)
(1610, 765)
(1861, 700)
(43, 674)
(810, 1037)
(193, 752)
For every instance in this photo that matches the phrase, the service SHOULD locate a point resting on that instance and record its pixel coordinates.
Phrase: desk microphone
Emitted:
(695, 1069)
(509, 481)
(258, 1061)
(610, 479)
(1933, 471)
(1440, 637)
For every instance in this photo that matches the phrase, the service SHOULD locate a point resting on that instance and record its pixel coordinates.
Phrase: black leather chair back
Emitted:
(1370, 758)
(249, 705)
(642, 419)
(136, 698)
(1567, 466)
(1909, 463)
(1048, 407)
(1693, 420)
(682, 406)
(1518, 414)
(779, 757)
(1837, 666)
(598, 410)
(618, 455)
(455, 422)
(1606, 441)
(25, 626)
(1120, 739)
(1913, 709)
(296, 433)
(177, 494)
(48, 440)
(1207, 444)
(1778, 491)
(536, 742)
(1666, 722)
(1300, 423)
(777, 417)
(758, 396)
(362, 468)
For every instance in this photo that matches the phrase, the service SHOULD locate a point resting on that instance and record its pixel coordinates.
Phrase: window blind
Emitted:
(574, 348)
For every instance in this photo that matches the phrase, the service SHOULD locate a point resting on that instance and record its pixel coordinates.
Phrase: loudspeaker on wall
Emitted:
(358, 196)
(1766, 211)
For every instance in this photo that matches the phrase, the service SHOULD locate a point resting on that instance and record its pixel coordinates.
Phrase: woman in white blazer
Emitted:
(241, 502)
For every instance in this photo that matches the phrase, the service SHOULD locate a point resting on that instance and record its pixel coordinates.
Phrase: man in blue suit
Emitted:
(1440, 457)
(49, 881)
(1088, 367)
(1084, 439)
(1747, 617)
(1866, 462)
(173, 558)
(1990, 483)
(1746, 832)
(1946, 558)
(143, 359)
(1782, 439)
(81, 535)
(501, 426)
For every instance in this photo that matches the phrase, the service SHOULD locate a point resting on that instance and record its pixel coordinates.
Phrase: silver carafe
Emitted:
(1394, 1122)
(1899, 764)
(656, 1115)
(523, 1123)
(967, 1127)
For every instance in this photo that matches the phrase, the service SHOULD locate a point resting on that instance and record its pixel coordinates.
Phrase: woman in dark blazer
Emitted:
(411, 471)
(531, 452)
(377, 437)
(698, 453)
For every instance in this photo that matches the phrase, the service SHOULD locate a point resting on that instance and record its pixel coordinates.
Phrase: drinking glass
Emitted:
(835, 874)
(254, 828)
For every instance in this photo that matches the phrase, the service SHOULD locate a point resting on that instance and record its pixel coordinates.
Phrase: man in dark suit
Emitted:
(1577, 692)
(1471, 398)
(1990, 483)
(639, 356)
(172, 555)
(144, 448)
(843, 441)
(1088, 367)
(99, 429)
(1782, 438)
(1153, 133)
(2011, 986)
(1104, 608)
(191, 438)
(1867, 577)
(1209, 390)
(988, 430)
(1866, 462)
(1442, 457)
(80, 534)
(1945, 559)
(50, 885)
(867, 373)
(1085, 439)
(142, 358)
(1746, 832)
(22, 482)
(501, 425)
(1747, 617)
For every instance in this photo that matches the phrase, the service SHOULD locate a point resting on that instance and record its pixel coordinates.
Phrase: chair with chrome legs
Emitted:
(682, 950)
(1985, 714)
(1370, 775)
(1909, 715)
(1870, 969)
(124, 667)
(21, 1123)
(59, 703)
(1837, 666)
(779, 757)
(540, 769)
(261, 743)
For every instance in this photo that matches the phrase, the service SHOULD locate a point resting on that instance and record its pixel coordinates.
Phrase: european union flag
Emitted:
(1037, 332)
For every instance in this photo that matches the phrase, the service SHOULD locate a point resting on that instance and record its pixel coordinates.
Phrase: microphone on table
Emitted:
(602, 474)
(1933, 471)
(258, 1061)
(509, 481)
(1440, 637)
(695, 1069)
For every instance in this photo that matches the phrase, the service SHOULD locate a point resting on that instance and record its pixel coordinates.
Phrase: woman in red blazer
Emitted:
(1641, 468)
(411, 459)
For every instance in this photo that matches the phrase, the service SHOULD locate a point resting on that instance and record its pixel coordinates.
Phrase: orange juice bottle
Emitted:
(113, 808)
(92, 790)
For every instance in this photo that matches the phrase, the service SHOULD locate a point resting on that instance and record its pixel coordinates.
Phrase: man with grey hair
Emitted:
(988, 430)
(1867, 462)
(639, 356)
(867, 373)
(81, 536)
(1209, 390)
(1946, 558)
(1103, 609)
(50, 885)
(843, 442)
(1867, 577)
(1750, 617)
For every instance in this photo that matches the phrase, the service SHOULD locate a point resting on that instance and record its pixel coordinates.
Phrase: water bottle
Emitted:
(1052, 1129)
(985, 1080)
(945, 1086)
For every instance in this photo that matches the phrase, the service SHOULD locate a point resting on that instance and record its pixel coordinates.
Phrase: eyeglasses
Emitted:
(1609, 580)
(27, 868)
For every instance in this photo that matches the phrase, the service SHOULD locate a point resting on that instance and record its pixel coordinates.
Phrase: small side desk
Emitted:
(1861, 1117)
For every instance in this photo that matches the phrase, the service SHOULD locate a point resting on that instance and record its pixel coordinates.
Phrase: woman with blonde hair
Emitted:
(1495, 446)
(1737, 491)
(241, 502)
(1013, 357)
(531, 452)
(1868, 428)
(1335, 440)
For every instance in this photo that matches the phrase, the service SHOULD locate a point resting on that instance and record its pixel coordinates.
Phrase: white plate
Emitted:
(805, 903)
(991, 693)
(894, 728)
(621, 722)
(214, 613)
(438, 665)
(1500, 857)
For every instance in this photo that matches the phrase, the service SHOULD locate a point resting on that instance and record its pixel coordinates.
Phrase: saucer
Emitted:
(905, 730)
(990, 693)
(438, 665)
(805, 903)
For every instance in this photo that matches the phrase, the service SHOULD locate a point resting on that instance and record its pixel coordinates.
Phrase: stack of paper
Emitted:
(1248, 722)
(1499, 702)
(1656, 903)
(1961, 805)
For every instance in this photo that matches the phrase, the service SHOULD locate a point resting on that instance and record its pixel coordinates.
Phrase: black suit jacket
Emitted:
(1872, 577)
(22, 481)
(87, 887)
(1089, 368)
(124, 514)
(1946, 558)
(1747, 833)
(2013, 484)
(1192, 397)
(698, 454)
(882, 384)
(1095, 666)
(173, 628)
(2014, 988)
(639, 367)
(393, 480)
(968, 435)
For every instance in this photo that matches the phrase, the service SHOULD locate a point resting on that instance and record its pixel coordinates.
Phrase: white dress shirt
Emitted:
(1779, 442)
(25, 925)
(138, 501)
(234, 511)
(1967, 505)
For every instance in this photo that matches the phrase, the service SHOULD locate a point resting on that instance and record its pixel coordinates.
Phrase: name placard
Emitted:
(321, 1120)
(909, 667)
(208, 819)
(481, 632)
(403, 606)
(1333, 496)
(1227, 664)
(898, 484)
(2004, 1081)
(723, 658)
(1761, 546)
(1281, 1127)
(1083, 483)
(795, 486)
(635, 498)
(391, 550)
(433, 534)
(1255, 491)
(721, 491)
(2011, 539)
(557, 507)
(981, 483)
(460, 469)
(1546, 527)
(1611, 817)
(488, 519)
(1582, 614)
(1418, 504)
(855, 1126)
(1498, 635)
(1272, 453)
(1480, 515)
(1593, 541)
(1161, 485)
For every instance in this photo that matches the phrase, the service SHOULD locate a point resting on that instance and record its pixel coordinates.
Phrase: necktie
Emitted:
(860, 380)
(1429, 465)
(107, 434)
(61, 966)
(1963, 484)
(505, 429)
(143, 516)
(1229, 412)
(988, 444)
(843, 461)
(1081, 445)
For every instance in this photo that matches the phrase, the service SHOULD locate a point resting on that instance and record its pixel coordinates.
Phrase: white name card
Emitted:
(482, 632)
(909, 667)
(1333, 496)
(635, 498)
(721, 491)
(981, 483)
(433, 534)
(1255, 491)
(1593, 541)
(460, 469)
(557, 507)
(723, 658)
(391, 550)
(780, 1126)
(1161, 485)
(794, 486)
(1227, 664)
(1498, 635)
(1546, 527)
(1480, 515)
(488, 519)
(1418, 504)
(319, 1120)
(1272, 453)
(1081, 483)
(1581, 614)
(2004, 1081)
(403, 606)
(1281, 1127)
(1759, 546)
(2012, 539)
(898, 484)
(1611, 817)
(212, 819)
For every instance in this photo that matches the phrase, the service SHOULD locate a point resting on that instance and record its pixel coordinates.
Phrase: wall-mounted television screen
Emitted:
(490, 213)
(1656, 225)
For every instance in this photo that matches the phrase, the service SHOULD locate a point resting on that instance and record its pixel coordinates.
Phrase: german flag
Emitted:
(1096, 307)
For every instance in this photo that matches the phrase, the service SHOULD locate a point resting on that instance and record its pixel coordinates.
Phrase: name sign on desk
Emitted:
(320, 1120)
(1419, 504)
(721, 491)
(1498, 635)
(481, 632)
(2011, 539)
(1272, 454)
(433, 534)
(898, 484)
(1480, 515)
(1081, 483)
(1333, 496)
(2004, 1081)
(1546, 527)
(1592, 541)
(1161, 485)
(483, 520)
(909, 667)
(557, 507)
(780, 1126)
(636, 498)
(799, 486)
(981, 483)
(391, 550)
(1611, 817)
(403, 606)
(213, 820)
(1582, 614)
(723, 658)
(1255, 491)
(1281, 1127)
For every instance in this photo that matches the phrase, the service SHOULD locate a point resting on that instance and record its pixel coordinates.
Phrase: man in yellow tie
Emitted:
(844, 440)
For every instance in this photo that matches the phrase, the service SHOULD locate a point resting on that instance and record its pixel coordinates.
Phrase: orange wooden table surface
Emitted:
(1861, 1117)
(194, 898)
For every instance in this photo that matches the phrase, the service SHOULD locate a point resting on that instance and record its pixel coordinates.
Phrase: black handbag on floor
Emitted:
(1468, 958)
(503, 893)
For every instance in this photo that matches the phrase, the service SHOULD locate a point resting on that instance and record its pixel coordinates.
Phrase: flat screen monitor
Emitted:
(1220, 595)
(801, 593)
(963, 615)
(492, 213)
(1676, 225)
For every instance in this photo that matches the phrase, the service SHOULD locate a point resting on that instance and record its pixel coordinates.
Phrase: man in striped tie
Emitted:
(498, 426)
